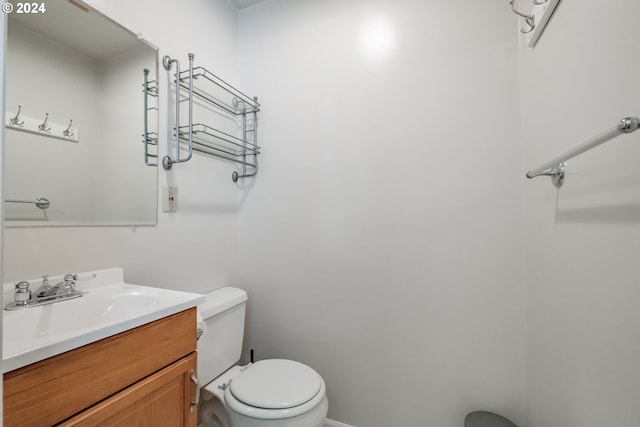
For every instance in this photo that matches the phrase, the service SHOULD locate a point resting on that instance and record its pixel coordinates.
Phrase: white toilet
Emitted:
(268, 393)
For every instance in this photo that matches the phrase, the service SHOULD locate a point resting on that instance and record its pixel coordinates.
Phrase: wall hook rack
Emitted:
(42, 128)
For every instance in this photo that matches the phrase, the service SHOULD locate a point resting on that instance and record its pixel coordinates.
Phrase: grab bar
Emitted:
(555, 168)
(40, 202)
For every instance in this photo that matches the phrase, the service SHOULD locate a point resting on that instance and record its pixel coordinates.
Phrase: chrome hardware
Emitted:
(556, 173)
(68, 285)
(22, 294)
(555, 168)
(44, 126)
(68, 132)
(45, 288)
(150, 89)
(215, 93)
(16, 120)
(538, 3)
(629, 124)
(46, 293)
(196, 383)
(40, 202)
(530, 20)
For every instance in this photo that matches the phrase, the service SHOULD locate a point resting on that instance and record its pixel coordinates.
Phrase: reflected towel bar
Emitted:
(555, 168)
(40, 202)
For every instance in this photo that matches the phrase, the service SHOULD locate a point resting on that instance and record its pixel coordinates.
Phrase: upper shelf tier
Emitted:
(213, 89)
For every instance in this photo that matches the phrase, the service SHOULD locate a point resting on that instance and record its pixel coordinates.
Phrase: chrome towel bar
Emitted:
(555, 168)
(40, 202)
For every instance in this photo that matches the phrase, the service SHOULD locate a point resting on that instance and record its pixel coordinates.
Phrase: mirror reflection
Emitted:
(74, 109)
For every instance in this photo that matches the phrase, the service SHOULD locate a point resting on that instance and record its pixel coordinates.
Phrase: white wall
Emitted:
(582, 242)
(382, 242)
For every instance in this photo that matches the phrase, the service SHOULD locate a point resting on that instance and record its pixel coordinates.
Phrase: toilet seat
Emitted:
(274, 389)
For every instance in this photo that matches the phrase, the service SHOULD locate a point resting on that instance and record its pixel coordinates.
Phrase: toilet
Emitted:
(267, 393)
(486, 419)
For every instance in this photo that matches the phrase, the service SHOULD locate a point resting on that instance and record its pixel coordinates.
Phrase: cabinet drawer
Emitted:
(50, 391)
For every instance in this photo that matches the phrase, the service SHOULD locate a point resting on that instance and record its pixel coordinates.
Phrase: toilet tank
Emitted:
(221, 317)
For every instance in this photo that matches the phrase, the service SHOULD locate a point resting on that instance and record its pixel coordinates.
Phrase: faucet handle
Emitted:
(45, 279)
(22, 286)
(80, 277)
(22, 293)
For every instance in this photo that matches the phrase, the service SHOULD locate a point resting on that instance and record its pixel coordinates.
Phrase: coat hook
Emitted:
(528, 19)
(68, 132)
(16, 120)
(44, 126)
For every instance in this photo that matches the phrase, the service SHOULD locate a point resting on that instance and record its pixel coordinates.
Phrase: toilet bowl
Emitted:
(486, 419)
(267, 393)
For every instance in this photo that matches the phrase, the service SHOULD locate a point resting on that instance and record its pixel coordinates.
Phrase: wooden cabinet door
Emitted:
(163, 399)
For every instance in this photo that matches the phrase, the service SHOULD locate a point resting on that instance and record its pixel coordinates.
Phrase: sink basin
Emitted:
(108, 306)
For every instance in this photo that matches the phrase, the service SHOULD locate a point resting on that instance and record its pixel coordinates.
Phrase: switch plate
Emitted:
(169, 199)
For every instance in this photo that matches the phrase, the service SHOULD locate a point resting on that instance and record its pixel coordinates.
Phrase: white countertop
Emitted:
(108, 306)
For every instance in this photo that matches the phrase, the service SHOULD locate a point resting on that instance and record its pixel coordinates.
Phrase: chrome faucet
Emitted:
(45, 290)
(46, 293)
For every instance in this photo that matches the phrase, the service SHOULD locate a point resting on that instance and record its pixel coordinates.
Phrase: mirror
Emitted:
(74, 113)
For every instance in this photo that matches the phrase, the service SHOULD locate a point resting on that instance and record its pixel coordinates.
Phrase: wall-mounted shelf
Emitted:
(150, 139)
(207, 138)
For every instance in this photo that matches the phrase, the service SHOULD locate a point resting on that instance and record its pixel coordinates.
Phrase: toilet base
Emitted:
(313, 418)
(211, 411)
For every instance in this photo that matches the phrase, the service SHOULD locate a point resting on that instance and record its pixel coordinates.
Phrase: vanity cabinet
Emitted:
(142, 376)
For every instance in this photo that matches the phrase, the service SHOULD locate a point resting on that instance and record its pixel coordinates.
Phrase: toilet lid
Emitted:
(276, 384)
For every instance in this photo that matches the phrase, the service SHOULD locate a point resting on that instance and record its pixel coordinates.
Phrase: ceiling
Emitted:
(241, 4)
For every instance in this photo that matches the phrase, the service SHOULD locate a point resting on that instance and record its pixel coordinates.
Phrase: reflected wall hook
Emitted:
(44, 127)
(16, 120)
(68, 132)
(528, 19)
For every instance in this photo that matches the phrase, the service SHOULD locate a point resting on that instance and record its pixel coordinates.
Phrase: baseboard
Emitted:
(331, 423)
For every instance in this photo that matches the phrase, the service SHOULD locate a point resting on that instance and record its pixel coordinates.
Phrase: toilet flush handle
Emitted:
(196, 383)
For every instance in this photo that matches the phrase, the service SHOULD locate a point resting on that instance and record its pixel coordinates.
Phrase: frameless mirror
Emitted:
(74, 113)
